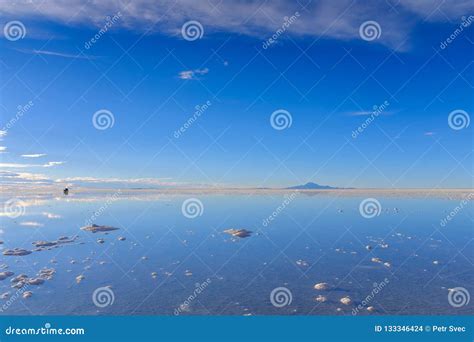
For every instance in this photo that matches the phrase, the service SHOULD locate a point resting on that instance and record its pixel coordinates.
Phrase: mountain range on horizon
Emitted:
(310, 186)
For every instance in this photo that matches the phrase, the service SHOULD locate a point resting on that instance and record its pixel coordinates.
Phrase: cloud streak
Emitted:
(22, 166)
(124, 181)
(368, 112)
(22, 176)
(191, 74)
(28, 178)
(323, 19)
(52, 163)
(36, 155)
(57, 54)
(31, 224)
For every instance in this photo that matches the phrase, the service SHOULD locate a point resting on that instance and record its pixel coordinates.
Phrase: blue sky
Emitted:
(319, 69)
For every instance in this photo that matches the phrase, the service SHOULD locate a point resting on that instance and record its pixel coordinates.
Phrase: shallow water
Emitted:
(312, 239)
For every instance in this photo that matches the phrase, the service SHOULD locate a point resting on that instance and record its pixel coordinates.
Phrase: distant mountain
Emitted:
(310, 186)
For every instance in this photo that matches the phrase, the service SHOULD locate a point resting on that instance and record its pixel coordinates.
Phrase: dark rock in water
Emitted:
(66, 191)
(62, 240)
(46, 273)
(22, 280)
(20, 277)
(321, 286)
(19, 281)
(241, 233)
(4, 275)
(16, 252)
(346, 300)
(35, 281)
(321, 299)
(44, 243)
(96, 228)
(18, 285)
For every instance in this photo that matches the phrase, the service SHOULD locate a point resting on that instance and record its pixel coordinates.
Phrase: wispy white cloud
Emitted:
(368, 112)
(435, 10)
(23, 176)
(33, 179)
(360, 113)
(56, 54)
(15, 165)
(51, 215)
(186, 75)
(31, 224)
(36, 155)
(328, 19)
(3, 149)
(52, 163)
(191, 74)
(124, 181)
(20, 166)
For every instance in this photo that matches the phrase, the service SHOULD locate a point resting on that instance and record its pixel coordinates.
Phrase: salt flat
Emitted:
(459, 193)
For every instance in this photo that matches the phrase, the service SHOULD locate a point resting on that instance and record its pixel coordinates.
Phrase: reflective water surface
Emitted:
(169, 262)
